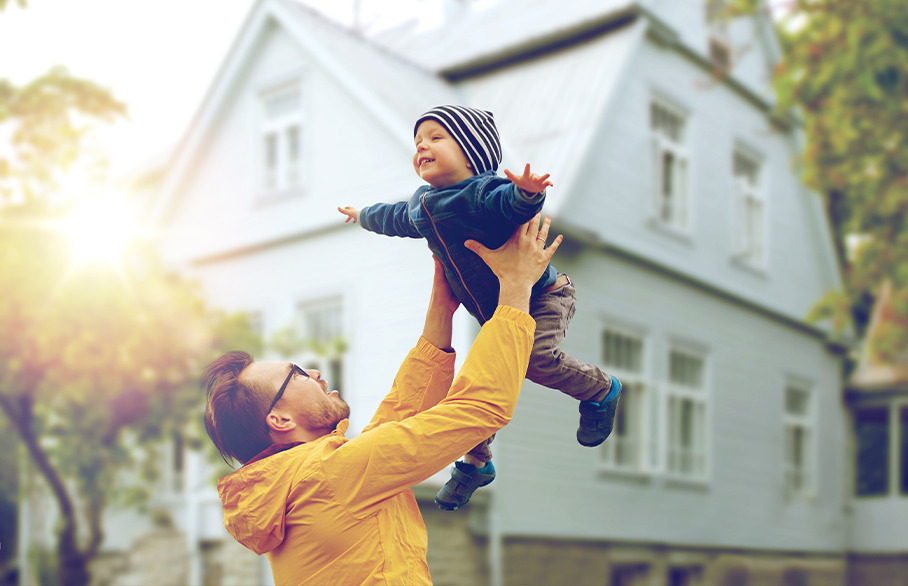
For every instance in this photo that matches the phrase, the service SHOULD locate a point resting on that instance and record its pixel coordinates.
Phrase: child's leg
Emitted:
(549, 365)
(481, 454)
(474, 471)
(597, 392)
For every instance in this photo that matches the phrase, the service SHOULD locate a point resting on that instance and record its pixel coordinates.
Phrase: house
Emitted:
(695, 249)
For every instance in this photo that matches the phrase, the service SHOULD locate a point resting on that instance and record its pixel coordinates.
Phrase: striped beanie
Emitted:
(475, 132)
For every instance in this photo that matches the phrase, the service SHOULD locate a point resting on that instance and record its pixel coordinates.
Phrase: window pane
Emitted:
(293, 143)
(871, 431)
(270, 151)
(622, 352)
(685, 370)
(282, 104)
(796, 401)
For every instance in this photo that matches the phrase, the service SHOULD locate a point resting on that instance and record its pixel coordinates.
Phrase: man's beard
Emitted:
(329, 414)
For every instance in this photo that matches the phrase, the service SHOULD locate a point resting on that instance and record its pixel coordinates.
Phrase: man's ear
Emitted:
(278, 423)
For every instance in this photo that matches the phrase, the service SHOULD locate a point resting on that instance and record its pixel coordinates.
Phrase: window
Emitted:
(667, 125)
(622, 356)
(686, 416)
(871, 436)
(719, 43)
(322, 328)
(903, 425)
(749, 205)
(684, 575)
(629, 575)
(282, 135)
(799, 440)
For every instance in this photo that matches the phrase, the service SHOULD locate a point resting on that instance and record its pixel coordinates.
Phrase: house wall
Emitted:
(615, 203)
(555, 487)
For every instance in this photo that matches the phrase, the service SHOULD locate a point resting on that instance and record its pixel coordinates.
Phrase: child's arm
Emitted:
(530, 183)
(390, 219)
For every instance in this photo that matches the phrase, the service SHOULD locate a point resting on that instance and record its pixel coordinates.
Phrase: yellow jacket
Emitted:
(339, 511)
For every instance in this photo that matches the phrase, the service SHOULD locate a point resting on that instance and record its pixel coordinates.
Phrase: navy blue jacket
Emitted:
(486, 208)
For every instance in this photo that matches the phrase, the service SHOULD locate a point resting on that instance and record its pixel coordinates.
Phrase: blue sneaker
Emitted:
(597, 419)
(465, 478)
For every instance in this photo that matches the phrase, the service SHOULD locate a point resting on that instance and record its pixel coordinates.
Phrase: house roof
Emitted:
(474, 37)
(397, 81)
(873, 374)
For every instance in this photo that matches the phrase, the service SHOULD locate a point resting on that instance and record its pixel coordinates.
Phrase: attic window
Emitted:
(719, 54)
(719, 50)
(670, 163)
(750, 208)
(281, 139)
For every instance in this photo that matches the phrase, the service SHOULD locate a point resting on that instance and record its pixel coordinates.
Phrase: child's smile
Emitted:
(439, 160)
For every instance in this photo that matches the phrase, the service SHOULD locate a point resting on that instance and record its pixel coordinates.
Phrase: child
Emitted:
(457, 154)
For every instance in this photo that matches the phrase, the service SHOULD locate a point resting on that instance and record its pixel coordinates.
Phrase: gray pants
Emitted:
(553, 310)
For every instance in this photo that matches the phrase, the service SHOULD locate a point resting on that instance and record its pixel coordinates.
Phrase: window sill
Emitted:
(681, 235)
(628, 474)
(698, 484)
(807, 497)
(756, 269)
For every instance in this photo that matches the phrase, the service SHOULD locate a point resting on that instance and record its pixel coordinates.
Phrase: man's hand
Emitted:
(351, 213)
(529, 182)
(520, 261)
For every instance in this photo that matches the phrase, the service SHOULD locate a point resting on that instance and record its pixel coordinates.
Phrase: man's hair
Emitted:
(235, 411)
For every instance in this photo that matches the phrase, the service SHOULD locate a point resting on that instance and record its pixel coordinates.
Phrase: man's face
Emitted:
(306, 398)
(439, 160)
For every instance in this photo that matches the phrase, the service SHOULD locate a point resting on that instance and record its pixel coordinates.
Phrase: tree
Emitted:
(845, 71)
(98, 362)
(96, 365)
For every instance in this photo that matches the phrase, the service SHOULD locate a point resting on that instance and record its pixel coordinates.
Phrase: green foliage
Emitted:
(99, 364)
(845, 70)
(47, 121)
(3, 3)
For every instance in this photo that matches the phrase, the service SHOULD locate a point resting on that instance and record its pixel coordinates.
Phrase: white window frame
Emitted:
(331, 359)
(637, 392)
(675, 395)
(750, 223)
(670, 210)
(287, 174)
(800, 479)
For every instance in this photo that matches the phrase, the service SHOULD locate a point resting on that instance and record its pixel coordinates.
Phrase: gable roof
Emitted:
(474, 38)
(373, 76)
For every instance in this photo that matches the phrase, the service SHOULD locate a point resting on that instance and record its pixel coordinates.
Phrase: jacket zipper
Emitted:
(425, 208)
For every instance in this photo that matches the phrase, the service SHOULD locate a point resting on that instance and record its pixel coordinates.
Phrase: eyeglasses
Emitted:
(294, 369)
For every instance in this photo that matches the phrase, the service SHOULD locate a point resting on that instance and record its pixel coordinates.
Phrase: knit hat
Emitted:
(474, 130)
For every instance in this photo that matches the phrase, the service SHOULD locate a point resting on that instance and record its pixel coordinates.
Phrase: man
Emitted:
(332, 510)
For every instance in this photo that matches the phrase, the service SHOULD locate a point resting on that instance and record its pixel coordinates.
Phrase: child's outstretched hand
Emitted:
(529, 182)
(351, 213)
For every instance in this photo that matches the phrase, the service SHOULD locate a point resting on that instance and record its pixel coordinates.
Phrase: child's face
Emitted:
(439, 160)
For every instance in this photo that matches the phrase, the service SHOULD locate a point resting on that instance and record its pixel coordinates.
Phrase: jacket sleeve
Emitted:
(422, 381)
(503, 199)
(390, 219)
(396, 455)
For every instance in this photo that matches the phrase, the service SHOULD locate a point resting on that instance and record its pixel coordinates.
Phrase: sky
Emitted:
(159, 57)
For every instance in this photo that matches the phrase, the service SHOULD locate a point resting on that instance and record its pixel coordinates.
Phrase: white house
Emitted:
(695, 250)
